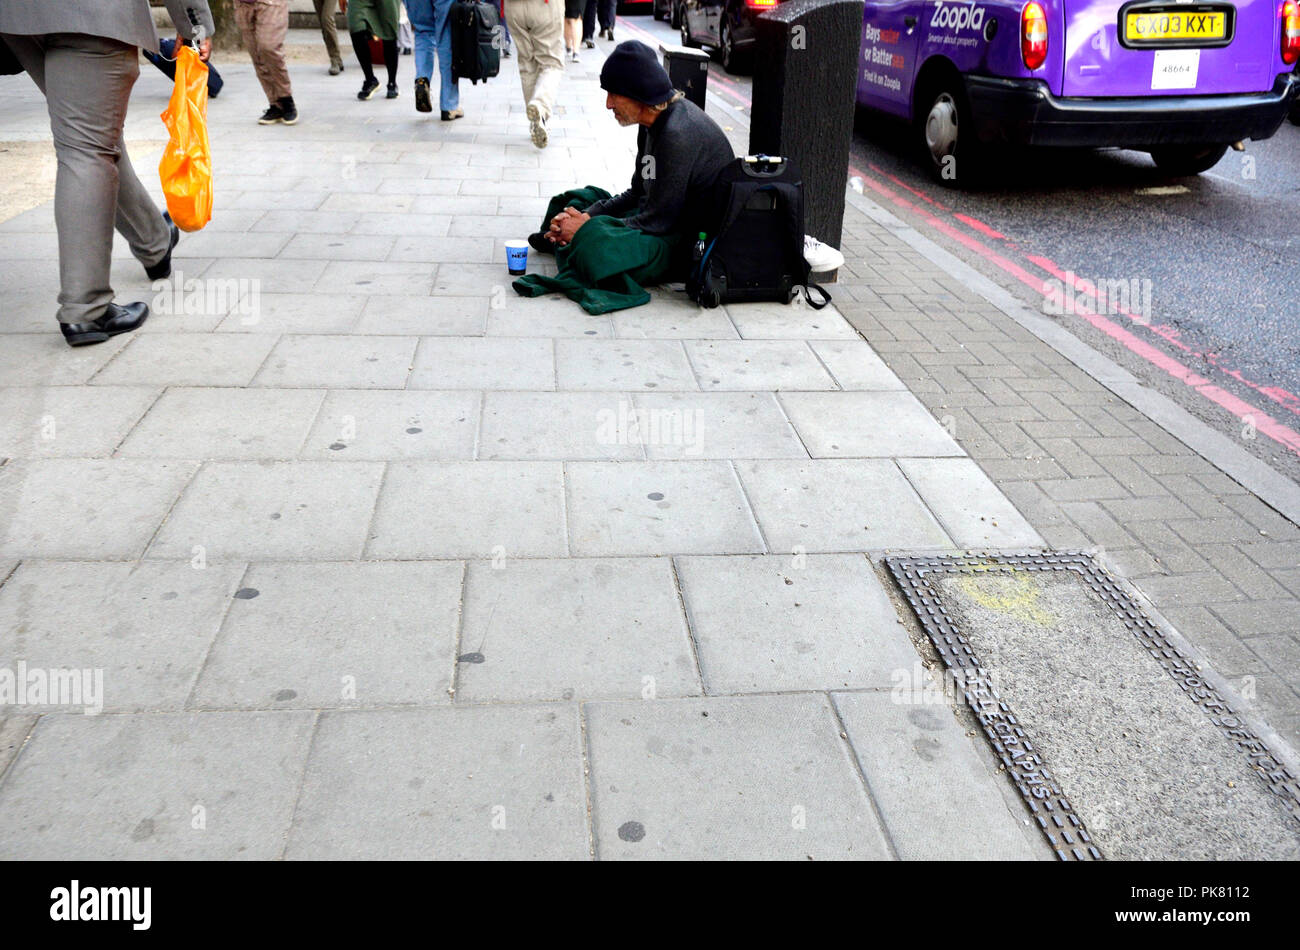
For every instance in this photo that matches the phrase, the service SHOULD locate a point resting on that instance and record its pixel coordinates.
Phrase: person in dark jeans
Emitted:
(165, 60)
(605, 10)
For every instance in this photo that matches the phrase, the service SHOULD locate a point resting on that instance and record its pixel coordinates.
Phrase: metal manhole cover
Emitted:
(1055, 661)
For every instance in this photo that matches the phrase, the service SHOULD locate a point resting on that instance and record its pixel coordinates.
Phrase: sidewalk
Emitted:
(379, 564)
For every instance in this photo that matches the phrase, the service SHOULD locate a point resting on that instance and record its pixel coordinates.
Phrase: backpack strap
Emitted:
(808, 288)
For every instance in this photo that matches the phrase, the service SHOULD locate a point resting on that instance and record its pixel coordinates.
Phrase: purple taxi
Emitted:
(1183, 81)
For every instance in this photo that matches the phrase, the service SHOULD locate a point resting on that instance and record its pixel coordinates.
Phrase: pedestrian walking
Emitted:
(85, 59)
(329, 30)
(376, 19)
(431, 20)
(505, 29)
(602, 10)
(572, 28)
(264, 24)
(537, 27)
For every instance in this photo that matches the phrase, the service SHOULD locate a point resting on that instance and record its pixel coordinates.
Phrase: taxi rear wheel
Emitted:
(946, 134)
(1179, 160)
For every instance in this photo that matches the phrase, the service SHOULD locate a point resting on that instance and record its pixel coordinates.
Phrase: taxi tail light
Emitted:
(760, 4)
(1033, 35)
(1290, 16)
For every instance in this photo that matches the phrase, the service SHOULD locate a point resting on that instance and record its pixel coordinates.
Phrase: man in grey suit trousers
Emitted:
(84, 56)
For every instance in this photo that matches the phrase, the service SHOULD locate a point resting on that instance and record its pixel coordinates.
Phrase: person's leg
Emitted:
(572, 33)
(326, 11)
(424, 22)
(138, 219)
(448, 88)
(608, 11)
(589, 20)
(361, 46)
(391, 60)
(246, 16)
(516, 15)
(548, 40)
(87, 83)
(272, 30)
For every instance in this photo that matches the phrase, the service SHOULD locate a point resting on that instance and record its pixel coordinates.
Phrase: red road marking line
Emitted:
(1262, 421)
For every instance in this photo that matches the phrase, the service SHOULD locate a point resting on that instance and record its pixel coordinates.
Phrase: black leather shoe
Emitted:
(163, 269)
(117, 319)
(538, 242)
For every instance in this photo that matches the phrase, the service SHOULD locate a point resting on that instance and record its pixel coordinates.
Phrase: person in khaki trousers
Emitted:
(329, 31)
(537, 27)
(264, 24)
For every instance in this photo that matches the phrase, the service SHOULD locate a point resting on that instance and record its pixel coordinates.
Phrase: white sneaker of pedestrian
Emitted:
(821, 257)
(537, 125)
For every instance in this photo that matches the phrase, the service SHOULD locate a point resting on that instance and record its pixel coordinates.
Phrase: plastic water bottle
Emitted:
(697, 254)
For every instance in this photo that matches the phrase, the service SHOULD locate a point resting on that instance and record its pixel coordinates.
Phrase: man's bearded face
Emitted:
(625, 110)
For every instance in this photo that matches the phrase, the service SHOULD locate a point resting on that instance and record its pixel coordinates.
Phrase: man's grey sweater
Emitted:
(677, 161)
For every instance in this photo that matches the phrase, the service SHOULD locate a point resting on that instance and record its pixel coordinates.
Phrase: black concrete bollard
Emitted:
(805, 86)
(688, 69)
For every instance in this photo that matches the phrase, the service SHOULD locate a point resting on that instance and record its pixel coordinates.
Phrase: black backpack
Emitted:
(475, 48)
(754, 235)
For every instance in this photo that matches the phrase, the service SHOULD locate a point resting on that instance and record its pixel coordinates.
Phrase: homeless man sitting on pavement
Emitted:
(608, 248)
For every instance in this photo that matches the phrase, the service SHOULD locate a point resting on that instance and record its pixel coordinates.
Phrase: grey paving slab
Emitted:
(68, 421)
(375, 277)
(337, 634)
(574, 629)
(780, 623)
(473, 783)
(855, 365)
(654, 508)
(515, 316)
(829, 505)
(14, 729)
(968, 505)
(146, 626)
(439, 250)
(224, 424)
(274, 313)
(43, 509)
(938, 799)
(186, 359)
(424, 316)
(715, 426)
(760, 777)
(660, 321)
(338, 362)
(469, 510)
(469, 280)
(273, 510)
(631, 365)
(867, 425)
(222, 244)
(44, 359)
(377, 425)
(757, 365)
(560, 426)
(483, 364)
(774, 321)
(174, 786)
(277, 276)
(321, 245)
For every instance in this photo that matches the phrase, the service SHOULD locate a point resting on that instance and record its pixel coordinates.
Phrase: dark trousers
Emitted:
(602, 8)
(165, 60)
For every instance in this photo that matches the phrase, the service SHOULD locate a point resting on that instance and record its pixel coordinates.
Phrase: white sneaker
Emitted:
(537, 125)
(573, 56)
(821, 257)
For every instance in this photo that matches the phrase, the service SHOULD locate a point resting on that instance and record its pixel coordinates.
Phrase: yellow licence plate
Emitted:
(1176, 26)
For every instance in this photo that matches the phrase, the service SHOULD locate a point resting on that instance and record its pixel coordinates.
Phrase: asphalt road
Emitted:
(1220, 252)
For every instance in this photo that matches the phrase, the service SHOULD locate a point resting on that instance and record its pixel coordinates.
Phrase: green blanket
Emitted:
(606, 264)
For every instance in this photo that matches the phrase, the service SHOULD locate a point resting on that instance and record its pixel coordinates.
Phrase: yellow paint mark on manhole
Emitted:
(1011, 593)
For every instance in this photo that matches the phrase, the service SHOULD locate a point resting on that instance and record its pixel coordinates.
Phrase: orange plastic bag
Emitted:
(186, 166)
